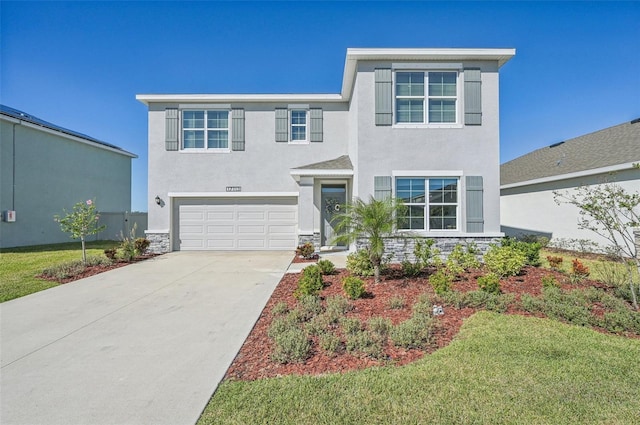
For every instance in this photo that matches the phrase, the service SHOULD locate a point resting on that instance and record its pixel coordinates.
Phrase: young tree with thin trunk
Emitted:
(81, 222)
(612, 213)
(373, 220)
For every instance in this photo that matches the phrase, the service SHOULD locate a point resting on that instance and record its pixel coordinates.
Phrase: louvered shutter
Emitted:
(474, 199)
(472, 97)
(315, 118)
(282, 125)
(383, 100)
(382, 187)
(171, 129)
(237, 129)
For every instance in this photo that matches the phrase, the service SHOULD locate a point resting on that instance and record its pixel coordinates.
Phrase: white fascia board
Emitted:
(312, 172)
(577, 174)
(208, 98)
(68, 136)
(427, 173)
(232, 194)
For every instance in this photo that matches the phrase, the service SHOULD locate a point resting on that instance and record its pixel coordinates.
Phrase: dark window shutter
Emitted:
(237, 129)
(381, 187)
(475, 217)
(472, 97)
(384, 102)
(282, 125)
(171, 129)
(315, 118)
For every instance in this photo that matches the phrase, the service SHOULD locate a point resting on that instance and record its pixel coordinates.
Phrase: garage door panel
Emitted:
(237, 224)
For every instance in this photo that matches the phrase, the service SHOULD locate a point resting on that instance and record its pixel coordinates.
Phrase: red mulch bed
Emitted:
(299, 259)
(253, 361)
(97, 269)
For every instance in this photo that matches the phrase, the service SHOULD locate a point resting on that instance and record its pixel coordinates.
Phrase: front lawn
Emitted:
(500, 369)
(20, 266)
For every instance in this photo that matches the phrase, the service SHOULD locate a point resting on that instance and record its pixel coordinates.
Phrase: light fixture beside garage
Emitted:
(158, 200)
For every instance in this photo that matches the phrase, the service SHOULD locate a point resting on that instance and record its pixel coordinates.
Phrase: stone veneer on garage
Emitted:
(159, 242)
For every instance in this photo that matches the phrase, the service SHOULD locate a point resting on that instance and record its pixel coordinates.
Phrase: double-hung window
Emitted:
(206, 130)
(298, 130)
(426, 97)
(431, 203)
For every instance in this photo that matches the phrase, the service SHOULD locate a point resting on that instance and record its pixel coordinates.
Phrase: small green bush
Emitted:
(291, 346)
(141, 245)
(549, 281)
(440, 281)
(73, 268)
(309, 306)
(111, 253)
(621, 320)
(504, 260)
(423, 307)
(353, 287)
(350, 325)
(280, 308)
(326, 267)
(318, 325)
(489, 283)
(413, 333)
(396, 302)
(464, 257)
(282, 324)
(366, 343)
(410, 269)
(359, 263)
(310, 282)
(337, 306)
(330, 343)
(306, 250)
(531, 250)
(424, 252)
(478, 299)
(380, 326)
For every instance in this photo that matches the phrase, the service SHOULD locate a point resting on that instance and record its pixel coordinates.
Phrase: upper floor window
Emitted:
(298, 125)
(432, 203)
(434, 105)
(205, 130)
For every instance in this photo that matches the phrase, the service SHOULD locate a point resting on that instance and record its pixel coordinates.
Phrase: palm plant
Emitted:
(373, 220)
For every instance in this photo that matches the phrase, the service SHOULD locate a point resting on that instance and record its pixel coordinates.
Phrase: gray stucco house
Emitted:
(528, 182)
(268, 171)
(45, 168)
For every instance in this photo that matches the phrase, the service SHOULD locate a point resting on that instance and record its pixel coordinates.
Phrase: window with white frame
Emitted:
(431, 203)
(426, 97)
(207, 130)
(298, 131)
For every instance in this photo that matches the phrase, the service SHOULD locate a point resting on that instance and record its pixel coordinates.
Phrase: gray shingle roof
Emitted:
(341, 163)
(615, 145)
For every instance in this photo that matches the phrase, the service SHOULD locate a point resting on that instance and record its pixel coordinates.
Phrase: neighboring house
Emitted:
(528, 182)
(45, 168)
(267, 172)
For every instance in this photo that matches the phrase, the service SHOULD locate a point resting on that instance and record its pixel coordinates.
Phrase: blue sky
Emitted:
(80, 64)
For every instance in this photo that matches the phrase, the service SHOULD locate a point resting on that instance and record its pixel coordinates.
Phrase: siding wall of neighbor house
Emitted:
(52, 173)
(262, 167)
(474, 150)
(531, 209)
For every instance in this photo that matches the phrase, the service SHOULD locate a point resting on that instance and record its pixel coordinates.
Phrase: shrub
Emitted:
(306, 250)
(531, 250)
(380, 326)
(326, 267)
(549, 282)
(291, 346)
(318, 325)
(396, 302)
(141, 245)
(555, 262)
(464, 257)
(353, 287)
(73, 268)
(330, 343)
(504, 260)
(282, 324)
(440, 281)
(478, 299)
(413, 333)
(337, 306)
(489, 283)
(612, 273)
(359, 263)
(309, 306)
(280, 308)
(111, 253)
(350, 325)
(621, 320)
(127, 250)
(365, 343)
(425, 254)
(579, 271)
(410, 269)
(310, 283)
(423, 307)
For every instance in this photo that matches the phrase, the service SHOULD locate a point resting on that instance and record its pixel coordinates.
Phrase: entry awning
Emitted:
(338, 167)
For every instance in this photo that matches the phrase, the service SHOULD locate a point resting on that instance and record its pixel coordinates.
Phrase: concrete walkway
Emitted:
(144, 344)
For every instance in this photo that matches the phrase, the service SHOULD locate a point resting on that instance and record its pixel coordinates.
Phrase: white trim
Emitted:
(298, 106)
(67, 136)
(426, 66)
(232, 194)
(312, 172)
(584, 173)
(186, 98)
(199, 106)
(427, 173)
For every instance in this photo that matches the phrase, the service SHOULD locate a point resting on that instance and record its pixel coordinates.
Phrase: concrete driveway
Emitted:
(144, 344)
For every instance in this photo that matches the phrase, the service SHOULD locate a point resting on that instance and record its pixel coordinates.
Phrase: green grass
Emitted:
(502, 369)
(19, 266)
(595, 266)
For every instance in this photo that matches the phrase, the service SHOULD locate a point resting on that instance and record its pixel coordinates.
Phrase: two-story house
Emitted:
(268, 171)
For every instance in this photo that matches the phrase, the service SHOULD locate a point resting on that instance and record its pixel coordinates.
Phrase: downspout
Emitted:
(13, 169)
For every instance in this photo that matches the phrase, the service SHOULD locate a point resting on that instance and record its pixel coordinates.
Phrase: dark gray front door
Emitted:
(333, 198)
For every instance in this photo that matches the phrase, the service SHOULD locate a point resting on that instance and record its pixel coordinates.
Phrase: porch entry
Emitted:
(333, 197)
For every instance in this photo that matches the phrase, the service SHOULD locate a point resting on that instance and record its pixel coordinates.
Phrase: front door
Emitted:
(333, 199)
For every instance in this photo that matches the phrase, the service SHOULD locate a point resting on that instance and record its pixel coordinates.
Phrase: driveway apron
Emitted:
(144, 344)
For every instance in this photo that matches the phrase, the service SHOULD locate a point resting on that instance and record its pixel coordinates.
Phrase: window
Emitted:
(436, 105)
(205, 130)
(432, 203)
(298, 125)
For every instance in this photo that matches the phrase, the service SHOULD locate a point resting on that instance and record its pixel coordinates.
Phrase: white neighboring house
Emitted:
(268, 171)
(527, 183)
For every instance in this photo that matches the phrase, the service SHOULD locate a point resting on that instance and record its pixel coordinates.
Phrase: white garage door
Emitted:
(237, 224)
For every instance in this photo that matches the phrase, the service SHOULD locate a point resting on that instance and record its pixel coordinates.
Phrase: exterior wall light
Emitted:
(158, 200)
